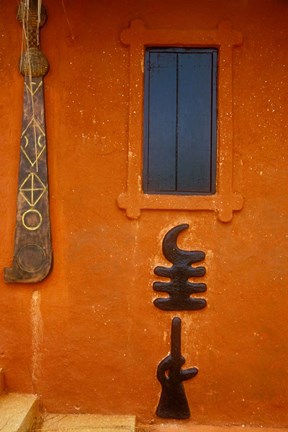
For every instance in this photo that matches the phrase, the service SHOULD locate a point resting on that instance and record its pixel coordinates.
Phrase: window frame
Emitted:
(179, 51)
(224, 201)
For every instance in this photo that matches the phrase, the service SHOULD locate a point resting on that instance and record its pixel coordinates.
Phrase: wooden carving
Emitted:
(32, 248)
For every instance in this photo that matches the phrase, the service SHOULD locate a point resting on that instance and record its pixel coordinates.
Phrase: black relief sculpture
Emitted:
(179, 289)
(173, 402)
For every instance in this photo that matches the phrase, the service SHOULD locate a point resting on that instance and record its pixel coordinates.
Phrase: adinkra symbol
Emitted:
(173, 402)
(179, 289)
(32, 189)
(33, 87)
(33, 142)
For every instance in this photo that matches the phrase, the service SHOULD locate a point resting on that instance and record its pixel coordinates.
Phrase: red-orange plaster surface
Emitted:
(88, 338)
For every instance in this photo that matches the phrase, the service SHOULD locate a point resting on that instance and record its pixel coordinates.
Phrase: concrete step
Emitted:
(18, 412)
(87, 423)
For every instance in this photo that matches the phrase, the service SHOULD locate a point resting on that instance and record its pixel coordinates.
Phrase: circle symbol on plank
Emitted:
(31, 257)
(32, 219)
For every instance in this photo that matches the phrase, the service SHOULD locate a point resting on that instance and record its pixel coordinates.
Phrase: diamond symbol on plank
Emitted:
(32, 189)
(33, 141)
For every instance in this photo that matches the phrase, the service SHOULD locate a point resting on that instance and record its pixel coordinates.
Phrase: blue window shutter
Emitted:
(180, 121)
(161, 112)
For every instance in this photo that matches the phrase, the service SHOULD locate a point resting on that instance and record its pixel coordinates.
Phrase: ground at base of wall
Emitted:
(20, 413)
(185, 427)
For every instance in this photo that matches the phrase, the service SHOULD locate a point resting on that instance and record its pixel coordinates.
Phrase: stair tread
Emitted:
(17, 412)
(88, 423)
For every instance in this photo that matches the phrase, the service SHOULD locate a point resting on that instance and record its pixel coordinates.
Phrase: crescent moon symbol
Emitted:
(176, 255)
(39, 141)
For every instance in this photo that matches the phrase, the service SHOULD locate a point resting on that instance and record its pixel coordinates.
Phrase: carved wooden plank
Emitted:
(32, 248)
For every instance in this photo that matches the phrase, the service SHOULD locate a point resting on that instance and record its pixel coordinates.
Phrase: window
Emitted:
(180, 121)
(144, 191)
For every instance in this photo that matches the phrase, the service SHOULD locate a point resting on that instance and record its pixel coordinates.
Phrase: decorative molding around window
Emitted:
(224, 201)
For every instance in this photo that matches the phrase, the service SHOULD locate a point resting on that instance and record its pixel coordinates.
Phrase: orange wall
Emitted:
(88, 338)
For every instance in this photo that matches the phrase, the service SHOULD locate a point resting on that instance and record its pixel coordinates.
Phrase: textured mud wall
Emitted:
(88, 338)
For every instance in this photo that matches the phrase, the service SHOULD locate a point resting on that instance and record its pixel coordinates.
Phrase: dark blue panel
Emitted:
(194, 122)
(214, 121)
(160, 127)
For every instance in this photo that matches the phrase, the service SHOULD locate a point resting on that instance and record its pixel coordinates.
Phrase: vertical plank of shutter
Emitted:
(160, 123)
(194, 122)
(213, 161)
